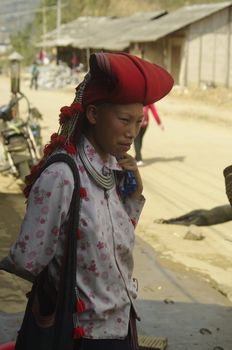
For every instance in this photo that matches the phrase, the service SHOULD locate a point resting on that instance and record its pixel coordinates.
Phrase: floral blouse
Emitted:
(104, 248)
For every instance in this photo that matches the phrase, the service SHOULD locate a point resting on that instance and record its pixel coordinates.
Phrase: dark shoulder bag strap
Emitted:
(66, 295)
(58, 336)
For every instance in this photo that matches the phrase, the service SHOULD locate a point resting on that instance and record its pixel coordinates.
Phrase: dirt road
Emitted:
(182, 172)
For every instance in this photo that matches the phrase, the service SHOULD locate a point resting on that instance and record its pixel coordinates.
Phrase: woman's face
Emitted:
(113, 127)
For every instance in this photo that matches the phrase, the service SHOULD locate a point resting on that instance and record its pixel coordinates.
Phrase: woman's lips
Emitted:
(125, 146)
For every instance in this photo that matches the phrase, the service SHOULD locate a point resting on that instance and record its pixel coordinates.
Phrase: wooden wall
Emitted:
(197, 55)
(209, 51)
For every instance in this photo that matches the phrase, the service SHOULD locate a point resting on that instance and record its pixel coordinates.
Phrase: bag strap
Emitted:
(66, 294)
(65, 158)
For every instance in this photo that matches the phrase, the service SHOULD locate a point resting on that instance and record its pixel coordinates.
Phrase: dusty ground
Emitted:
(182, 171)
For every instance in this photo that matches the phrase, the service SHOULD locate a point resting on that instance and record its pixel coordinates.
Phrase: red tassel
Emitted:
(80, 305)
(78, 234)
(78, 332)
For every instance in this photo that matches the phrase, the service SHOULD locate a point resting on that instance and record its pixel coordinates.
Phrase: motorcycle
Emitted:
(21, 139)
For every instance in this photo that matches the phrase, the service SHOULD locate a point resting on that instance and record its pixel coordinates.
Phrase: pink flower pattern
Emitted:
(104, 250)
(100, 244)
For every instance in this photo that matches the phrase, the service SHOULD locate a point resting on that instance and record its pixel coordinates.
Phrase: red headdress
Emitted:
(122, 78)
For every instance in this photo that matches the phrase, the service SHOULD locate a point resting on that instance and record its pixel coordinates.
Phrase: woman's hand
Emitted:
(129, 163)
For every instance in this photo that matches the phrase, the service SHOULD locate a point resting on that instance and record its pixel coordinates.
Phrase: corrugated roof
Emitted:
(112, 33)
(109, 33)
(175, 21)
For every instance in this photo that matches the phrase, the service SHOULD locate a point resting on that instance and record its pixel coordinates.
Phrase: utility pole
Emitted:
(58, 19)
(44, 21)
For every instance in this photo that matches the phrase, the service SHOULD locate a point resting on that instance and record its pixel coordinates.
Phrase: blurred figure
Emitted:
(74, 62)
(34, 75)
(40, 56)
(139, 139)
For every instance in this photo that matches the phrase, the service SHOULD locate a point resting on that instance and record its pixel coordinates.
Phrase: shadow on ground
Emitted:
(12, 207)
(13, 289)
(187, 326)
(180, 304)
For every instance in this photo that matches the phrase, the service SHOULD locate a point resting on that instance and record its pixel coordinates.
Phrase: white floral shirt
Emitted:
(104, 248)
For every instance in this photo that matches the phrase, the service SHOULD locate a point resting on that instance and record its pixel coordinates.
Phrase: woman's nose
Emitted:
(132, 131)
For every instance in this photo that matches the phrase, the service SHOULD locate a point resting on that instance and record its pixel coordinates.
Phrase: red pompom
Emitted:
(70, 148)
(66, 111)
(133, 222)
(54, 136)
(78, 234)
(76, 107)
(61, 140)
(7, 346)
(78, 332)
(47, 149)
(69, 112)
(83, 192)
(80, 305)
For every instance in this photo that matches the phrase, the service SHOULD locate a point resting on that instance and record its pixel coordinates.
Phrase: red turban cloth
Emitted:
(122, 78)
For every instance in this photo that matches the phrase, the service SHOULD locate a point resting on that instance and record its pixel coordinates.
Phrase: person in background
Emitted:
(74, 62)
(97, 131)
(34, 75)
(139, 138)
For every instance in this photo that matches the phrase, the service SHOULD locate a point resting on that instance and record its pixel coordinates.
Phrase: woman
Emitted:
(139, 138)
(97, 130)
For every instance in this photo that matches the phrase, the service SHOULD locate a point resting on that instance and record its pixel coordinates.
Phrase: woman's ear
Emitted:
(91, 114)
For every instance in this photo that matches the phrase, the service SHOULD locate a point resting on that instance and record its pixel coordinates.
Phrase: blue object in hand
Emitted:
(129, 185)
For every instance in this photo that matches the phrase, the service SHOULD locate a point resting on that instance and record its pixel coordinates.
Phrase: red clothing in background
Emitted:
(139, 139)
(153, 110)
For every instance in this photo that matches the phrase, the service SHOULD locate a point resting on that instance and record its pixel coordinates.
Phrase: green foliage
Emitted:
(75, 8)
(22, 42)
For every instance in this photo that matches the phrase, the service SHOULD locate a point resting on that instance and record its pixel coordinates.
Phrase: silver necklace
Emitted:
(105, 181)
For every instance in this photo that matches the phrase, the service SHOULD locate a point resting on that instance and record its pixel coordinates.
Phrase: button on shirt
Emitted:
(104, 248)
